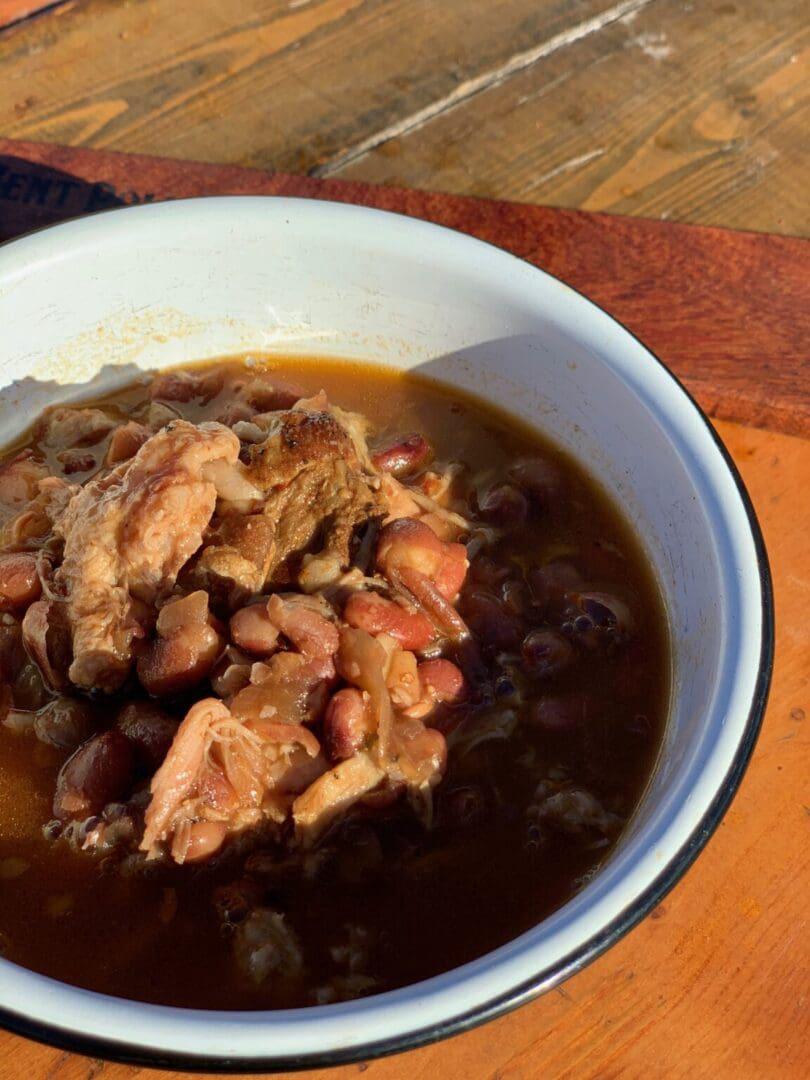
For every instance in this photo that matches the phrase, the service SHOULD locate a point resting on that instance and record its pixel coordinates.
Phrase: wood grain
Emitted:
(728, 312)
(714, 983)
(691, 112)
(694, 112)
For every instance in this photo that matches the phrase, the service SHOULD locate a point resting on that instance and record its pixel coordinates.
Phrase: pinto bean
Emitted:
(149, 729)
(65, 723)
(442, 680)
(99, 772)
(270, 392)
(548, 584)
(126, 441)
(487, 572)
(561, 714)
(302, 620)
(205, 839)
(19, 581)
(495, 628)
(546, 653)
(76, 461)
(377, 615)
(345, 724)
(504, 504)
(252, 630)
(607, 612)
(185, 385)
(405, 455)
(48, 641)
(177, 663)
(185, 650)
(408, 545)
(540, 479)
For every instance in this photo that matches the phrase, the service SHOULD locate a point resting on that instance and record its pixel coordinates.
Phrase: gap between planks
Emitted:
(471, 87)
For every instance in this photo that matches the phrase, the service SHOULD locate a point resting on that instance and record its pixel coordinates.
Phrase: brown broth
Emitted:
(443, 897)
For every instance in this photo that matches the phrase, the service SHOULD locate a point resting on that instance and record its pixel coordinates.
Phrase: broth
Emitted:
(542, 773)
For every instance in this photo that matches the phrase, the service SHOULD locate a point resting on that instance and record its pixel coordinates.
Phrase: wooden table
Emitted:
(689, 111)
(692, 111)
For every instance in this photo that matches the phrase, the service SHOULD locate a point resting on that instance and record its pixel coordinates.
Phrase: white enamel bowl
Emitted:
(159, 285)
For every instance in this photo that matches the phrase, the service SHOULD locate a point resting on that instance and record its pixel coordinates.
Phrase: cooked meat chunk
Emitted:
(223, 775)
(65, 428)
(19, 480)
(127, 535)
(266, 947)
(316, 493)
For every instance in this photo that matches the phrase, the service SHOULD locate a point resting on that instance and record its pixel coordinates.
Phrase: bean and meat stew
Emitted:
(315, 680)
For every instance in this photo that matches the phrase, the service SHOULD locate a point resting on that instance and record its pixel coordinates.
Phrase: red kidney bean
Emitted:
(19, 581)
(149, 729)
(403, 456)
(99, 772)
(546, 653)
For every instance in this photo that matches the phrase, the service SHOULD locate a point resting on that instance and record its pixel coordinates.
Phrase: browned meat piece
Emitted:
(236, 561)
(127, 535)
(332, 794)
(317, 492)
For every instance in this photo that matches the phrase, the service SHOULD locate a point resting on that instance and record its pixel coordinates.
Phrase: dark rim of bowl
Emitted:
(578, 958)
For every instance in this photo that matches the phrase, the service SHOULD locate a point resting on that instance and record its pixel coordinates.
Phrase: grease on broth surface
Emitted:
(542, 772)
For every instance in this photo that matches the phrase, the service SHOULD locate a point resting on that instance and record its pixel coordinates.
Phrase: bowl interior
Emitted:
(87, 305)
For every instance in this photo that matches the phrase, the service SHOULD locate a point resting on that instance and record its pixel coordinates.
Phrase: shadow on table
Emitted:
(34, 195)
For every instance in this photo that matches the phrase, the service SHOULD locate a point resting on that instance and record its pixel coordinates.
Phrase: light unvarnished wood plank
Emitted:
(714, 983)
(277, 83)
(694, 112)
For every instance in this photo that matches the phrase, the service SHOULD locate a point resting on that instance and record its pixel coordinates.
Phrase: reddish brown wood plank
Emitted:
(729, 312)
(14, 10)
